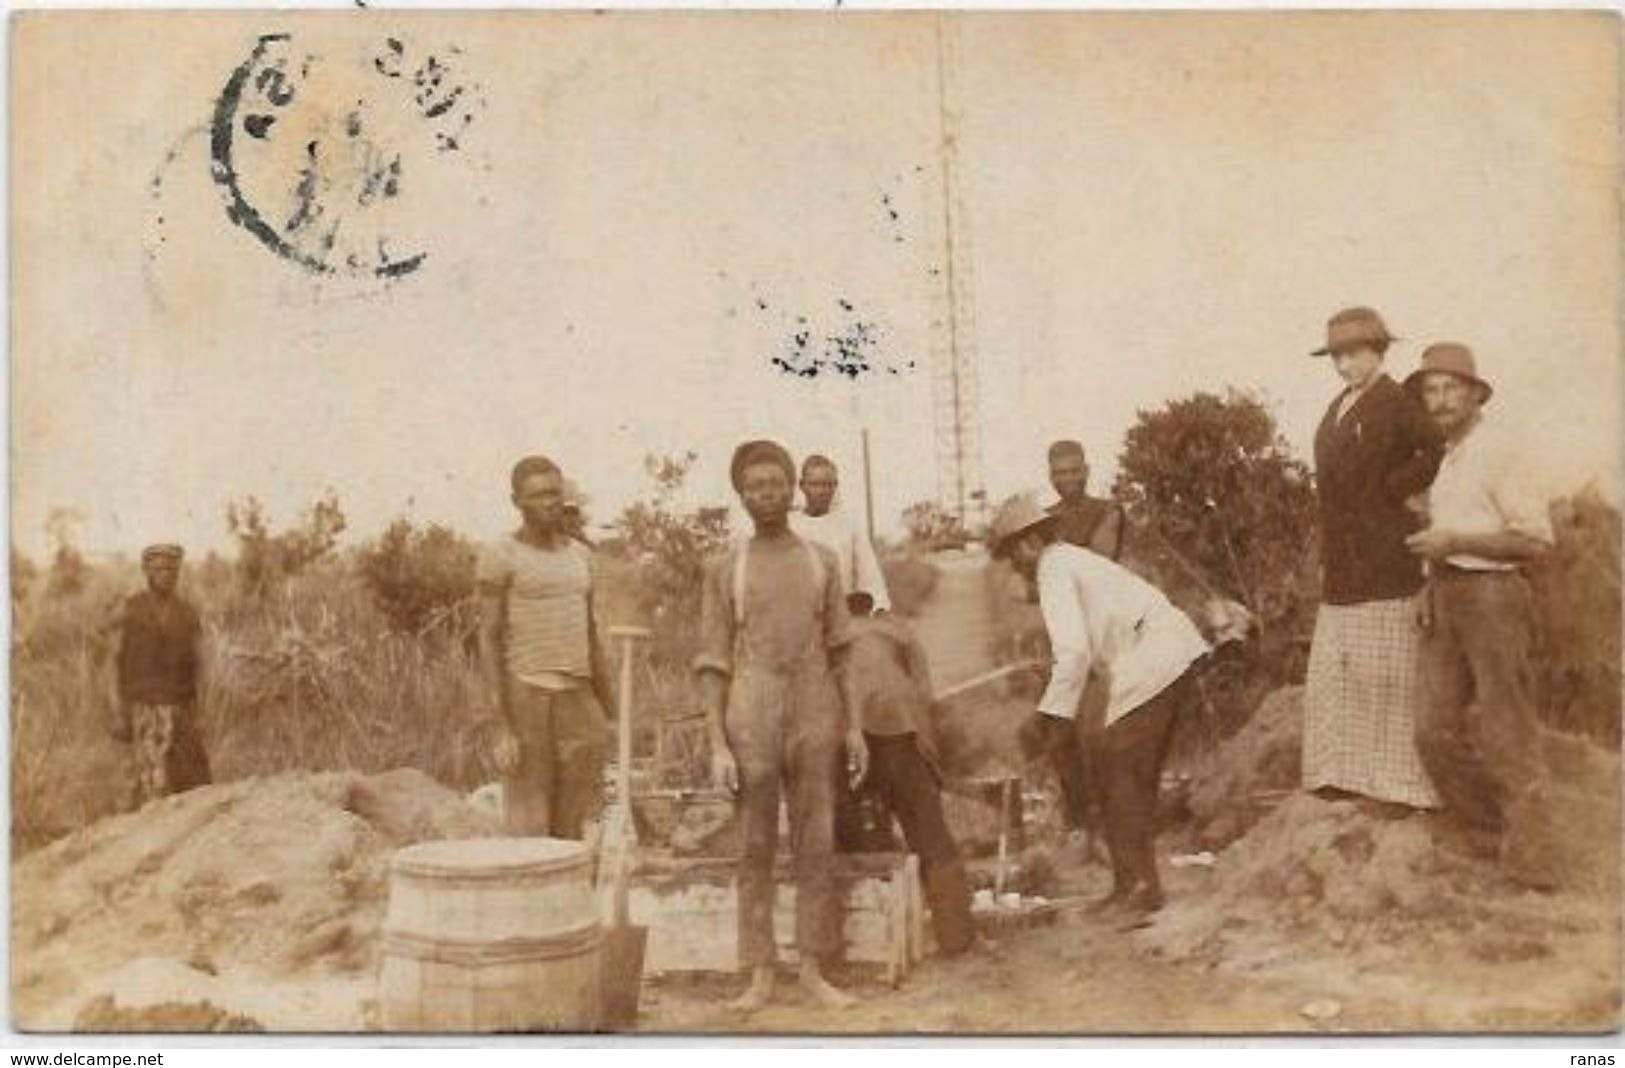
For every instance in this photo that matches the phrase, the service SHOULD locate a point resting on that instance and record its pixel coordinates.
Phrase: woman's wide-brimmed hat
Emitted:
(1354, 328)
(1449, 358)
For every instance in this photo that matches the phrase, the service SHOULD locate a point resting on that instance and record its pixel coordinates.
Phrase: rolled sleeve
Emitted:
(716, 619)
(1067, 624)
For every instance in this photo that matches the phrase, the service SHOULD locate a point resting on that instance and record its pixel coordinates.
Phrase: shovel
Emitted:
(623, 948)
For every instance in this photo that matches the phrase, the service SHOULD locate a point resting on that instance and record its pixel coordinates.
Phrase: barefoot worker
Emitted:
(1478, 729)
(1105, 621)
(160, 668)
(544, 672)
(773, 630)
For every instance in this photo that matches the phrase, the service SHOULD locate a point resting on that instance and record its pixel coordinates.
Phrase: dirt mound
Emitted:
(281, 878)
(105, 1014)
(1233, 785)
(1322, 891)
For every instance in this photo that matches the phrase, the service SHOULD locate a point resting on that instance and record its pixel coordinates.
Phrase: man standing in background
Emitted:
(824, 521)
(540, 658)
(1081, 520)
(160, 667)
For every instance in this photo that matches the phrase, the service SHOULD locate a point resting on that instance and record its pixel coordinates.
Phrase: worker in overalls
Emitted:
(773, 635)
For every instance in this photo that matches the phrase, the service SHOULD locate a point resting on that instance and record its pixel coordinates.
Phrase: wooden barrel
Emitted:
(491, 934)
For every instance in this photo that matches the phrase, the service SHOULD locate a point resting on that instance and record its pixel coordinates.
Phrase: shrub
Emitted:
(932, 527)
(264, 559)
(1221, 508)
(420, 579)
(669, 544)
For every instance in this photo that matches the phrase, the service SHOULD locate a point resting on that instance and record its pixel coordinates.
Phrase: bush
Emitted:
(1577, 598)
(669, 545)
(931, 527)
(420, 579)
(265, 560)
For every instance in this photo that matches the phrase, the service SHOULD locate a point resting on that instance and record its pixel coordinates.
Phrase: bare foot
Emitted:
(820, 990)
(757, 995)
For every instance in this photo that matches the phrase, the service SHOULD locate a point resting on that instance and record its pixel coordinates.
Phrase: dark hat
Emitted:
(1449, 358)
(1354, 328)
(162, 551)
(759, 452)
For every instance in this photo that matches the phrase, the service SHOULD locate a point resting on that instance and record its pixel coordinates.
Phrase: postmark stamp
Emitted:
(317, 154)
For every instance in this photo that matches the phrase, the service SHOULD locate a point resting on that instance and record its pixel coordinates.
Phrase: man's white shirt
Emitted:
(1103, 618)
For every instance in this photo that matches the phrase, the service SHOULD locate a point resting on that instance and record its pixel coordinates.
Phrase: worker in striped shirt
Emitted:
(544, 671)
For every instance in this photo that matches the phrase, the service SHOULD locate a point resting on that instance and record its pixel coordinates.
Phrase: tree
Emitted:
(669, 544)
(418, 577)
(1221, 508)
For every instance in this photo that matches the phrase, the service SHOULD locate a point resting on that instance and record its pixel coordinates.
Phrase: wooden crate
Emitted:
(691, 909)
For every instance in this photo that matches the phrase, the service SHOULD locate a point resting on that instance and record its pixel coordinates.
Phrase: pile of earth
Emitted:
(256, 885)
(1330, 892)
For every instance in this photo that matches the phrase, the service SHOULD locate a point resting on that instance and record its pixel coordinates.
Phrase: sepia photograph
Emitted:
(814, 522)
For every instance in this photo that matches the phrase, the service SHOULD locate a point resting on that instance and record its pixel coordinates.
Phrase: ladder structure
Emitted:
(956, 399)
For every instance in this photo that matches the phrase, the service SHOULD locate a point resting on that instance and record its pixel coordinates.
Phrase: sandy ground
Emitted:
(263, 898)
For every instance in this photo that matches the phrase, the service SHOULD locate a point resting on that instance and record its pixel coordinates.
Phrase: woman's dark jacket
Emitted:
(1383, 451)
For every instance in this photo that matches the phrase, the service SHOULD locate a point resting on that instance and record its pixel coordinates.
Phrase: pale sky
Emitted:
(1156, 204)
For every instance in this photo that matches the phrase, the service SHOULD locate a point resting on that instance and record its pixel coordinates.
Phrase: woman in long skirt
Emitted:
(1375, 452)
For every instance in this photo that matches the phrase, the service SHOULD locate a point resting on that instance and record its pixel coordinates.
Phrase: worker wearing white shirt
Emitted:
(822, 520)
(1123, 657)
(1478, 731)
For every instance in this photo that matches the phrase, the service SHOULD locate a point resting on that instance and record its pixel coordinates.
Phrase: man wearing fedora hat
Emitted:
(1106, 623)
(1478, 731)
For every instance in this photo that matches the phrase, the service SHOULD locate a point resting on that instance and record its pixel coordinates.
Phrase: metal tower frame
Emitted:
(955, 391)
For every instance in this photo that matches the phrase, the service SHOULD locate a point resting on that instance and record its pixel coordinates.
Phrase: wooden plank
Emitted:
(691, 909)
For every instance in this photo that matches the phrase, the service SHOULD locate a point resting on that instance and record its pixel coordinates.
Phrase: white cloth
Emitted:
(1484, 487)
(844, 536)
(1360, 700)
(1102, 617)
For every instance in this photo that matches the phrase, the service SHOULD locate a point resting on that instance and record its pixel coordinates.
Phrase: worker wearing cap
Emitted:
(1478, 730)
(1107, 622)
(774, 632)
(545, 674)
(160, 668)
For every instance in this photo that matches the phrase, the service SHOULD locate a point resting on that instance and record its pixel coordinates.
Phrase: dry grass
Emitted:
(307, 677)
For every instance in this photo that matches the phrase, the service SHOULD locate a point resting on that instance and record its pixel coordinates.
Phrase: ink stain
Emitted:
(851, 348)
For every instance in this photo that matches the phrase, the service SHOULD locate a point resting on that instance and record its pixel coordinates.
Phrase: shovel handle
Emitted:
(629, 637)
